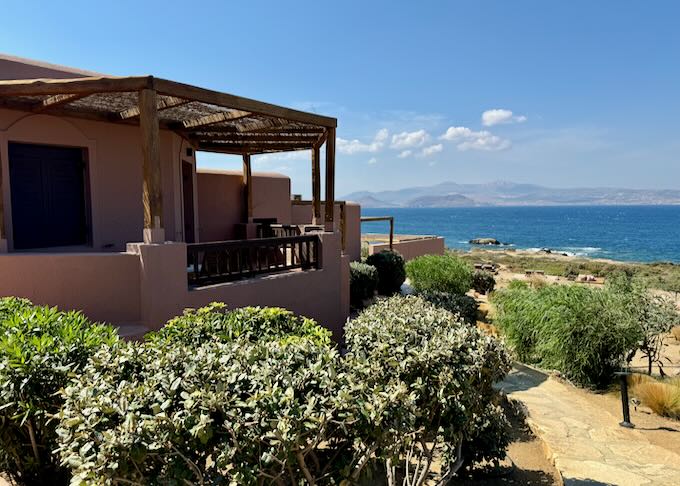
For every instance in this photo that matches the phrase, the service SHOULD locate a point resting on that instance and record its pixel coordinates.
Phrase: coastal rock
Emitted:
(485, 241)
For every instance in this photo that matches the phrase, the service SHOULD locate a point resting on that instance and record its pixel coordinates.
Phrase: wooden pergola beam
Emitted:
(253, 147)
(214, 118)
(173, 88)
(163, 104)
(152, 196)
(330, 179)
(81, 86)
(3, 234)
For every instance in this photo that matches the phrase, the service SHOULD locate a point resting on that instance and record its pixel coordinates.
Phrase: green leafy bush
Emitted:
(215, 323)
(391, 271)
(427, 379)
(363, 283)
(41, 348)
(461, 305)
(584, 332)
(440, 273)
(483, 282)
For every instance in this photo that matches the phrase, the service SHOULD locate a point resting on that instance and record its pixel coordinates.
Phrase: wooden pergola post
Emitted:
(152, 195)
(3, 235)
(316, 184)
(248, 188)
(330, 179)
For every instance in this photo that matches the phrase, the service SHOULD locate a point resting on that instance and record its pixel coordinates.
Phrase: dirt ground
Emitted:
(526, 464)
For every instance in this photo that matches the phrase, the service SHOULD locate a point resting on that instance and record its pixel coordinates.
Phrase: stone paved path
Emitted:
(586, 442)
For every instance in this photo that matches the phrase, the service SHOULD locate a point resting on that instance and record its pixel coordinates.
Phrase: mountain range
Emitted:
(501, 193)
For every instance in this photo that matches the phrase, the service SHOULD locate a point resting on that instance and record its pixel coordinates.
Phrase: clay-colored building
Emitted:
(102, 208)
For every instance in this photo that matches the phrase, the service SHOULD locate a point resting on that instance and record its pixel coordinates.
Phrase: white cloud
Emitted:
(372, 160)
(467, 139)
(455, 133)
(355, 146)
(499, 116)
(431, 150)
(406, 140)
(405, 153)
(485, 141)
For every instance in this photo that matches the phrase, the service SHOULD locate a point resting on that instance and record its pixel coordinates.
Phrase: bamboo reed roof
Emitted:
(210, 120)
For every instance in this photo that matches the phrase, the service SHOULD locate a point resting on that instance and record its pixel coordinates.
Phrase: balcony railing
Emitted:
(226, 261)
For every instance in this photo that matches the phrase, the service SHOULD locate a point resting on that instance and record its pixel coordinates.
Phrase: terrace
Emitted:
(172, 120)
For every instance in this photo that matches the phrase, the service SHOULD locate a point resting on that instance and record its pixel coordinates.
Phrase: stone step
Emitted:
(132, 331)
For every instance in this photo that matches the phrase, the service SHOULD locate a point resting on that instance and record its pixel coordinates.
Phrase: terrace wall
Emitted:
(105, 286)
(321, 294)
(412, 248)
(221, 201)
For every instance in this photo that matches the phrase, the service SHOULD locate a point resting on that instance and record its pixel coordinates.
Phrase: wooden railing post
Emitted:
(316, 185)
(248, 187)
(152, 197)
(330, 179)
(391, 232)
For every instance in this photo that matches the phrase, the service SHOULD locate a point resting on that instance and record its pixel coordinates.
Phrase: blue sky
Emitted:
(577, 93)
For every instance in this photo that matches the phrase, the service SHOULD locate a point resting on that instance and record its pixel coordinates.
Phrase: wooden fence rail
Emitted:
(225, 261)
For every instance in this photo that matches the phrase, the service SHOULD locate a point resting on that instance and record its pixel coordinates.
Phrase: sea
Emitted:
(626, 233)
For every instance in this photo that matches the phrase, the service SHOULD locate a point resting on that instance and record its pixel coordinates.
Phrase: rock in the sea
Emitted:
(485, 241)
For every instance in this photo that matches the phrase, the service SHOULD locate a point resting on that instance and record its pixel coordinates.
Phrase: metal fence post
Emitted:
(623, 376)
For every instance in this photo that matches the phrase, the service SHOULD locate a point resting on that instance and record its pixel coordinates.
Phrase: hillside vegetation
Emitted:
(661, 275)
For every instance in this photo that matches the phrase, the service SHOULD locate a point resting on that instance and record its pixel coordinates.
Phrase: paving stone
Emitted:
(585, 441)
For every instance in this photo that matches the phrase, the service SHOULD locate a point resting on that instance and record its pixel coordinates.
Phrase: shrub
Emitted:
(363, 283)
(235, 412)
(391, 271)
(585, 333)
(662, 398)
(462, 305)
(440, 273)
(41, 348)
(427, 379)
(483, 282)
(215, 323)
(655, 316)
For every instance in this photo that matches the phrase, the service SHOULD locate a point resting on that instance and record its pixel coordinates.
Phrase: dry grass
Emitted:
(675, 332)
(537, 281)
(663, 397)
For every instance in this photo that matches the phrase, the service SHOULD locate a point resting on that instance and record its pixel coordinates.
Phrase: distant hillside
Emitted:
(446, 201)
(448, 194)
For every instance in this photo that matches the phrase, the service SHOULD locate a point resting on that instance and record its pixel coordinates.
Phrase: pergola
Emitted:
(209, 120)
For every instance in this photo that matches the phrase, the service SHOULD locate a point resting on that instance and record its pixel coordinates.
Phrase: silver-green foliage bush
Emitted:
(440, 273)
(220, 413)
(247, 403)
(41, 348)
(427, 378)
